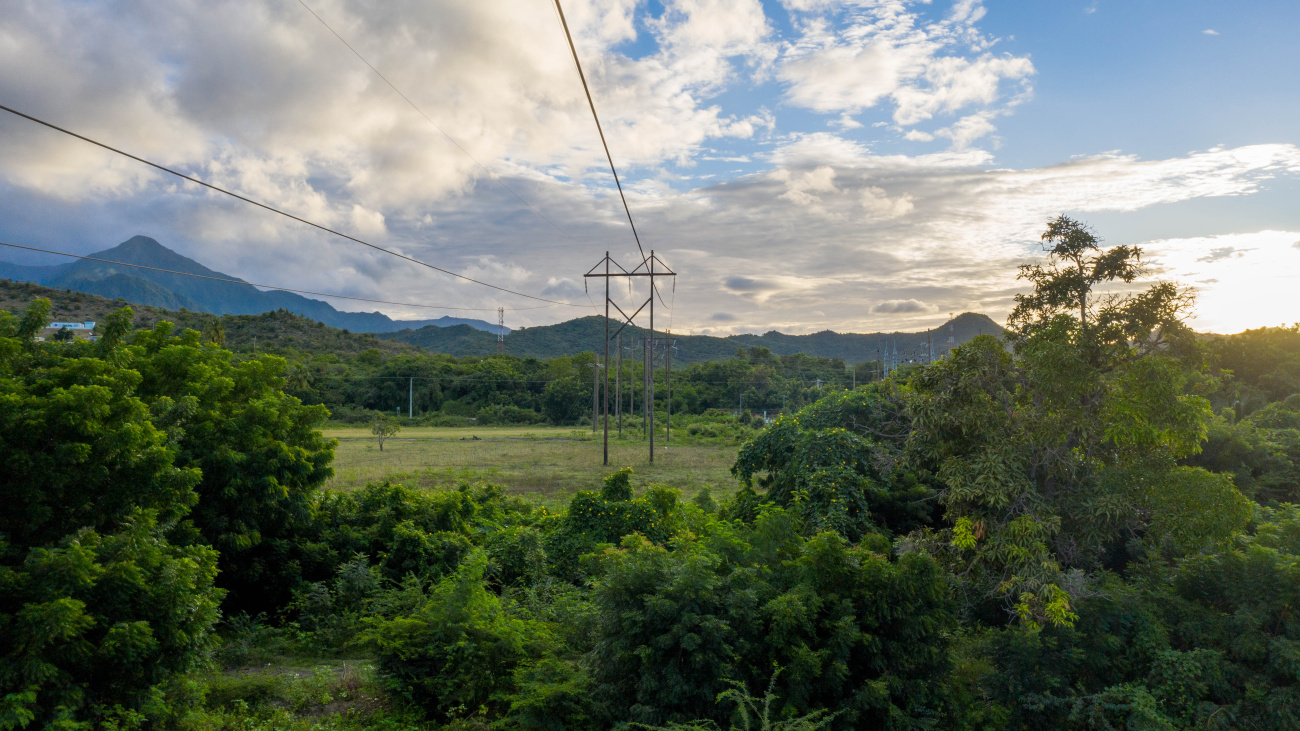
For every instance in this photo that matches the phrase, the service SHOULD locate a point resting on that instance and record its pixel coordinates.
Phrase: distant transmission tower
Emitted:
(501, 331)
(952, 338)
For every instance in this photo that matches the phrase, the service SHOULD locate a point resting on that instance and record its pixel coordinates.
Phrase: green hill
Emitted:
(203, 293)
(283, 329)
(278, 330)
(587, 333)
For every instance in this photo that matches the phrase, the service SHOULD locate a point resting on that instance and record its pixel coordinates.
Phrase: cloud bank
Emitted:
(814, 230)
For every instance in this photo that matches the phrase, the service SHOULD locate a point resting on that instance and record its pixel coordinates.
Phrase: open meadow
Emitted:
(550, 463)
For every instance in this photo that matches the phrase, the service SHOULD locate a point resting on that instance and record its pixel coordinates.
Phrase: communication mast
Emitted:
(952, 338)
(501, 331)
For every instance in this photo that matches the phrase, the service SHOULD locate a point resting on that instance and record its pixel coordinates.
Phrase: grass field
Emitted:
(550, 463)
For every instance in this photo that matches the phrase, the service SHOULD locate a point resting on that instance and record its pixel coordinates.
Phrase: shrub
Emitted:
(457, 652)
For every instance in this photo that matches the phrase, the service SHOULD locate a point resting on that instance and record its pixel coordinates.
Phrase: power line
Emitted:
(280, 212)
(407, 99)
(594, 116)
(253, 284)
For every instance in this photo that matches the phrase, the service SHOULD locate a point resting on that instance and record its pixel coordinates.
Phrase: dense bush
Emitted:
(98, 610)
(456, 653)
(857, 634)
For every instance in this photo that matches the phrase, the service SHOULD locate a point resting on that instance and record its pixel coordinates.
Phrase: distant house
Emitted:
(83, 330)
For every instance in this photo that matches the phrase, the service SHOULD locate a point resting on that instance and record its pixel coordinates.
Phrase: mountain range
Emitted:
(587, 333)
(176, 291)
(277, 325)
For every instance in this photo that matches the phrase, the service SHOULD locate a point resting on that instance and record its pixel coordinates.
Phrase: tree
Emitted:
(99, 611)
(1057, 458)
(1105, 326)
(216, 333)
(260, 452)
(384, 426)
(839, 462)
(64, 335)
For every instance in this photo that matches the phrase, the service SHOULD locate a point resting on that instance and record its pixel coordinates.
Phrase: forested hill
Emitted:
(282, 329)
(174, 291)
(278, 330)
(587, 333)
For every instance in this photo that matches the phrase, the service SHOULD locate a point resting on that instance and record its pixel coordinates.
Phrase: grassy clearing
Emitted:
(448, 432)
(550, 463)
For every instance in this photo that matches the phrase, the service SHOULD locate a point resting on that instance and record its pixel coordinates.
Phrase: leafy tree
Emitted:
(840, 461)
(605, 518)
(1208, 642)
(384, 426)
(98, 611)
(1057, 458)
(259, 450)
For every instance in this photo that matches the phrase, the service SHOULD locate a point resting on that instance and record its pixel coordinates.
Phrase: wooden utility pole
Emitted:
(595, 390)
(606, 392)
(618, 384)
(668, 386)
(650, 339)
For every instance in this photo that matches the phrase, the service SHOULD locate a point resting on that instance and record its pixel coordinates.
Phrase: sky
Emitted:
(802, 165)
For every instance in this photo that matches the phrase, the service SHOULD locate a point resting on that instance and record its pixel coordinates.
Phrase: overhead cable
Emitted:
(592, 104)
(254, 284)
(407, 99)
(280, 212)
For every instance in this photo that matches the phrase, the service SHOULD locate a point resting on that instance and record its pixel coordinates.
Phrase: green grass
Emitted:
(550, 463)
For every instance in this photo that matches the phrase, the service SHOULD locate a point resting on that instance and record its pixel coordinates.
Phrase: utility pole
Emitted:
(651, 401)
(595, 389)
(410, 400)
(645, 387)
(501, 331)
(618, 384)
(606, 392)
(668, 386)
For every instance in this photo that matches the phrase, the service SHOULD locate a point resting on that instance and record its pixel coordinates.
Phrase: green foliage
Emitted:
(99, 613)
(1208, 642)
(384, 426)
(754, 714)
(406, 531)
(858, 634)
(838, 460)
(259, 450)
(605, 518)
(552, 695)
(1058, 456)
(457, 651)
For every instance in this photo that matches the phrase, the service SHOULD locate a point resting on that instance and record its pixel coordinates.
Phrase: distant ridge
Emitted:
(282, 329)
(587, 333)
(174, 291)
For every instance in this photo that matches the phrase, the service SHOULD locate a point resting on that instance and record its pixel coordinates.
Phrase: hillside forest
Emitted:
(1090, 523)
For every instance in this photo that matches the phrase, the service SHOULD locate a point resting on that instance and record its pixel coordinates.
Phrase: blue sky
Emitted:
(805, 164)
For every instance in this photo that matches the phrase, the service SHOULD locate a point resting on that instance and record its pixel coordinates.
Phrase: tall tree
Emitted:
(1063, 455)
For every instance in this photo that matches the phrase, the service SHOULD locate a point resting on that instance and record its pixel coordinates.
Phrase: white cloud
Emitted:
(804, 187)
(879, 204)
(908, 306)
(884, 52)
(1210, 32)
(1244, 280)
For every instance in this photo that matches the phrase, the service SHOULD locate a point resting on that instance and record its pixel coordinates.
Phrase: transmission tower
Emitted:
(652, 266)
(501, 331)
